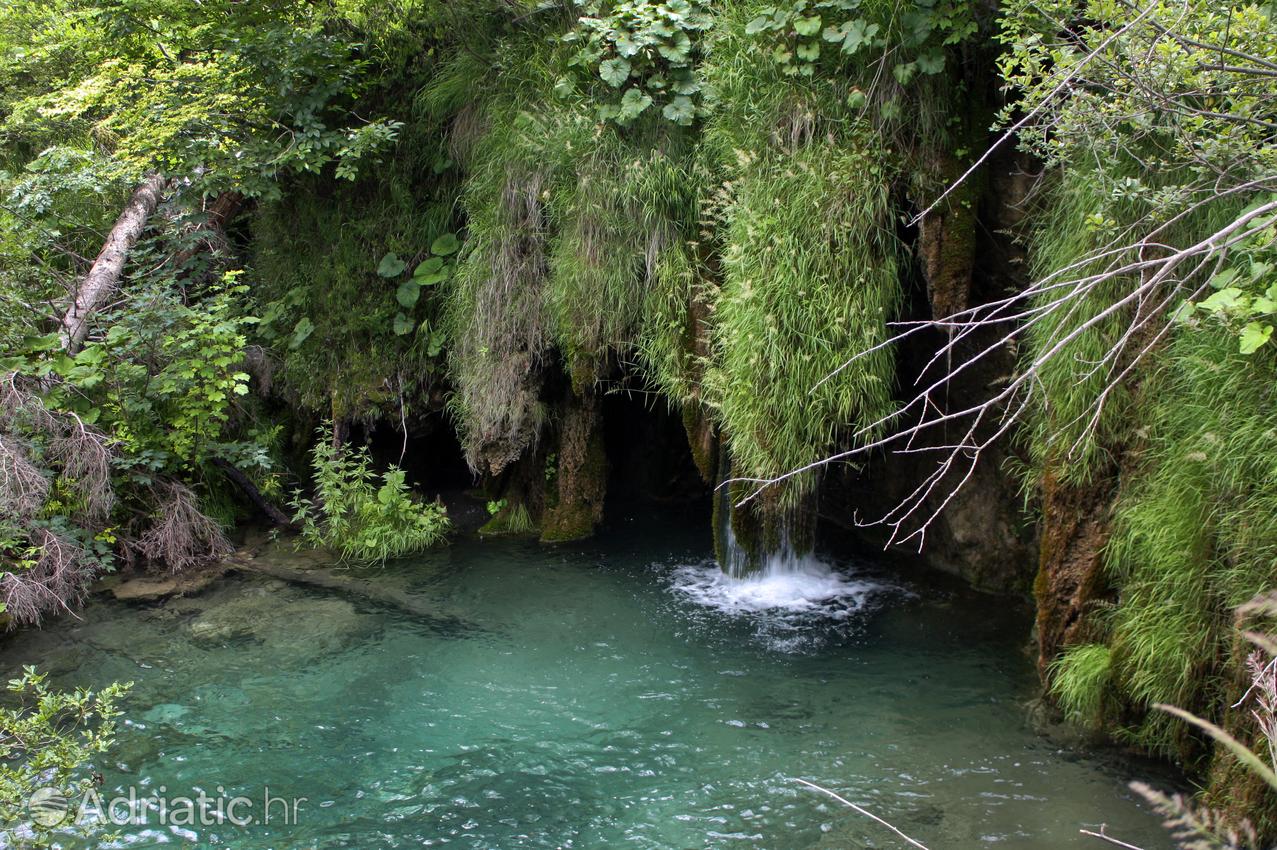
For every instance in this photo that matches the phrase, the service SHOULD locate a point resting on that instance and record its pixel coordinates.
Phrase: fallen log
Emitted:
(348, 585)
(277, 517)
(96, 287)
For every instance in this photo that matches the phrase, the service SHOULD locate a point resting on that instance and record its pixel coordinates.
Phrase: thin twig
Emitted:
(864, 812)
(1110, 839)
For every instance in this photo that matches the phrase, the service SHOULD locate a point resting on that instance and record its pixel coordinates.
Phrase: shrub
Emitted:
(361, 519)
(47, 739)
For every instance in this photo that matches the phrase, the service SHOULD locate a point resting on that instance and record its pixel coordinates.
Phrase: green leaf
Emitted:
(633, 103)
(807, 26)
(1255, 337)
(1224, 278)
(904, 72)
(615, 72)
(435, 344)
(931, 62)
(408, 293)
(680, 110)
(685, 83)
(391, 265)
(403, 324)
(430, 279)
(445, 245)
(837, 33)
(626, 45)
(429, 266)
(809, 51)
(303, 329)
(1225, 299)
(48, 342)
(754, 27)
(853, 34)
(857, 99)
(679, 50)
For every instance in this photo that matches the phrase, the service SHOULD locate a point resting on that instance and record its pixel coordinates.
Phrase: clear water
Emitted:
(615, 694)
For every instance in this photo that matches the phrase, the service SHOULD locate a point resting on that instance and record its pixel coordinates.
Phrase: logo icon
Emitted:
(48, 806)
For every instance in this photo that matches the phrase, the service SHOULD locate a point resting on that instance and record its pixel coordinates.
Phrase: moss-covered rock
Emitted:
(578, 482)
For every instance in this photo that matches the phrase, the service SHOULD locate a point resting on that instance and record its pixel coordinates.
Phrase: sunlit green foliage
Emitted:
(1244, 294)
(647, 51)
(229, 94)
(914, 36)
(49, 740)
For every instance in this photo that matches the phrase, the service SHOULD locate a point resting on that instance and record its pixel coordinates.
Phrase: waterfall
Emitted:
(737, 561)
(733, 558)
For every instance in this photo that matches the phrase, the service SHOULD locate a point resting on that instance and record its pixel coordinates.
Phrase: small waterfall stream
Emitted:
(782, 580)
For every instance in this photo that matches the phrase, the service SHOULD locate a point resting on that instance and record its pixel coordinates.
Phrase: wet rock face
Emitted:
(947, 246)
(579, 482)
(1075, 528)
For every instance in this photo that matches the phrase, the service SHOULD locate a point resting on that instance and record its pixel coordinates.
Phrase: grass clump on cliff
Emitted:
(324, 307)
(568, 222)
(809, 261)
(1194, 537)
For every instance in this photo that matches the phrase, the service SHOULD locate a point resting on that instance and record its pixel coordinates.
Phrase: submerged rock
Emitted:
(269, 613)
(166, 712)
(149, 588)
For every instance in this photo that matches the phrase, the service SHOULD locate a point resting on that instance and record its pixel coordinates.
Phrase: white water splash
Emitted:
(788, 584)
(813, 589)
(795, 603)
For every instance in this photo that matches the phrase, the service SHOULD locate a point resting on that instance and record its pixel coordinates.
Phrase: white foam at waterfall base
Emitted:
(794, 600)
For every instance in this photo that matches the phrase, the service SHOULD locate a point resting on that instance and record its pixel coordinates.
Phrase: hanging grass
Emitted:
(1079, 678)
(1194, 537)
(568, 221)
(808, 281)
(618, 217)
(809, 262)
(511, 138)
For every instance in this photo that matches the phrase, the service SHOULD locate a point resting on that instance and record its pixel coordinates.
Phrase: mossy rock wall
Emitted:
(579, 483)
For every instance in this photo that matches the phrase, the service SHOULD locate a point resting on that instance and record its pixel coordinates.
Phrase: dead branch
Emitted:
(862, 811)
(23, 488)
(1159, 274)
(58, 578)
(181, 536)
(1110, 839)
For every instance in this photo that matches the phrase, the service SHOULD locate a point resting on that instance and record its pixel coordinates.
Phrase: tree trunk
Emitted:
(100, 282)
(246, 486)
(218, 215)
